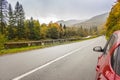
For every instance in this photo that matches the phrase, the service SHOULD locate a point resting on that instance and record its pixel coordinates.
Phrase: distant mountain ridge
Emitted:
(69, 22)
(94, 21)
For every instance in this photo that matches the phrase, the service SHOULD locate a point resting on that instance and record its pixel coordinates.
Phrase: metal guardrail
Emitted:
(10, 45)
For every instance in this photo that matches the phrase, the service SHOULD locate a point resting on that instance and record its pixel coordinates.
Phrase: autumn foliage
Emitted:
(16, 27)
(113, 21)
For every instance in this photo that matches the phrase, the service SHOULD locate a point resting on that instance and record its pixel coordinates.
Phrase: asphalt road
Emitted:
(74, 61)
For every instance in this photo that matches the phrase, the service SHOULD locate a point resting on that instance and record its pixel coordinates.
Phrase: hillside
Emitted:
(69, 22)
(94, 21)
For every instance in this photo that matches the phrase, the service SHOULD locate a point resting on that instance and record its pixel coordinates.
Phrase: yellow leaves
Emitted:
(113, 21)
(118, 0)
(54, 25)
(36, 23)
(52, 30)
(43, 31)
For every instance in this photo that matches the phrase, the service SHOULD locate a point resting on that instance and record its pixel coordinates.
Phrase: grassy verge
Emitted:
(16, 50)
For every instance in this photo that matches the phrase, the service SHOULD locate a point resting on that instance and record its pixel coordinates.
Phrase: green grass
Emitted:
(16, 50)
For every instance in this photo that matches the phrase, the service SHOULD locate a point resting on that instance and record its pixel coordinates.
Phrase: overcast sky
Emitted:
(53, 10)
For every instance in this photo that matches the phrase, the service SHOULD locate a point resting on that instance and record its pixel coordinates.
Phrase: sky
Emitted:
(54, 10)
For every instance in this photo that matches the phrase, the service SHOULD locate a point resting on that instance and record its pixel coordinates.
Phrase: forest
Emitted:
(15, 27)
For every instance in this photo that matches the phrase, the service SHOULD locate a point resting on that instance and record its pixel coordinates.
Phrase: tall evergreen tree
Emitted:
(60, 24)
(64, 27)
(16, 13)
(31, 28)
(20, 17)
(11, 23)
(37, 29)
(3, 15)
(10, 15)
(61, 30)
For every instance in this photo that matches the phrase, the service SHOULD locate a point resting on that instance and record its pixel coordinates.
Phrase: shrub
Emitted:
(2, 41)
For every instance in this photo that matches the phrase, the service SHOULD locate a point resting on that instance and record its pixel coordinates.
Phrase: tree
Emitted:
(10, 16)
(3, 15)
(61, 31)
(37, 29)
(31, 29)
(27, 30)
(61, 25)
(11, 23)
(19, 17)
(2, 41)
(113, 21)
(53, 32)
(43, 31)
(81, 32)
(64, 27)
(17, 13)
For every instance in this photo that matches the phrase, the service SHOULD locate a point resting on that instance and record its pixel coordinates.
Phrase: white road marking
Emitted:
(36, 69)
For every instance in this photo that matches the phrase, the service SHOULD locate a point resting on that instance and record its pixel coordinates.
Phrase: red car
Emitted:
(108, 66)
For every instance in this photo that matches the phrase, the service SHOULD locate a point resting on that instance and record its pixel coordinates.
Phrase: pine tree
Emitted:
(16, 13)
(11, 23)
(19, 17)
(61, 30)
(31, 28)
(37, 29)
(64, 27)
(10, 15)
(3, 15)
(61, 25)
(21, 28)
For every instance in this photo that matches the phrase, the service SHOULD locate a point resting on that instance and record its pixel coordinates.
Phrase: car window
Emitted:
(115, 61)
(109, 44)
(118, 62)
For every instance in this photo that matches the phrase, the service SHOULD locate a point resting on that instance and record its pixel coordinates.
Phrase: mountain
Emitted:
(94, 21)
(69, 22)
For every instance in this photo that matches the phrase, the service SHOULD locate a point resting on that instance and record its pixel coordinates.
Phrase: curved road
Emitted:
(75, 61)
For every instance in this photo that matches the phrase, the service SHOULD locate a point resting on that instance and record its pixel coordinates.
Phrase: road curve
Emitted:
(74, 61)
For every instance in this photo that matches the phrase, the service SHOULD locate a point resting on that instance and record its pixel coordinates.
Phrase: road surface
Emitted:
(75, 61)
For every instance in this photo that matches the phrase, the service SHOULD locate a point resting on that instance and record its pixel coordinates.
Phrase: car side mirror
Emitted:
(98, 49)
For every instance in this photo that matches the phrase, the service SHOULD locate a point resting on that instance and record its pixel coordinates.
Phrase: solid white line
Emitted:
(36, 69)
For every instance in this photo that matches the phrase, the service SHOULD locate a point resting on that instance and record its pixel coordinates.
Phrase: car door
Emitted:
(102, 60)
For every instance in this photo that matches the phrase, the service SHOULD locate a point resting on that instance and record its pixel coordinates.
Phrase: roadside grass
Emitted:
(23, 49)
(16, 50)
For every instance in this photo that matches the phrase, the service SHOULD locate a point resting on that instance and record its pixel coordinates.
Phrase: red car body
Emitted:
(108, 67)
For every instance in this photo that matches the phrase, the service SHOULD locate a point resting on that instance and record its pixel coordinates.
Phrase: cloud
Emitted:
(64, 9)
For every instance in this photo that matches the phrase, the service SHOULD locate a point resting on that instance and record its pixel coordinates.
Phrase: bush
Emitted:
(2, 41)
